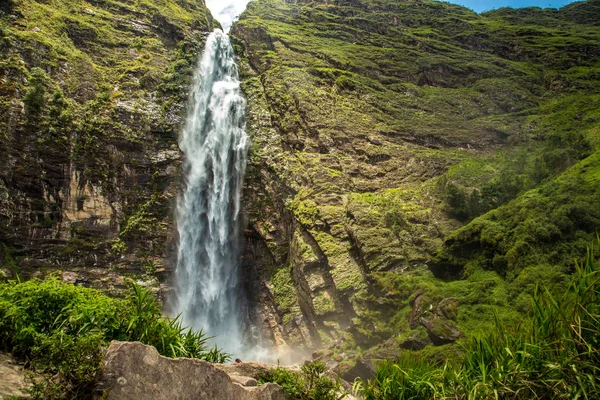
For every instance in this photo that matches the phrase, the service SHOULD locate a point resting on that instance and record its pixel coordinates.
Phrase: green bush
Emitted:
(34, 97)
(310, 384)
(63, 328)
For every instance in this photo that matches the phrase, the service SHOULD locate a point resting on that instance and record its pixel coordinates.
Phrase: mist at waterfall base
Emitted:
(209, 293)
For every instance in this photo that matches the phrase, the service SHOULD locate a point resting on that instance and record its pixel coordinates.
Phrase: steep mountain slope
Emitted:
(415, 167)
(381, 127)
(91, 101)
(547, 226)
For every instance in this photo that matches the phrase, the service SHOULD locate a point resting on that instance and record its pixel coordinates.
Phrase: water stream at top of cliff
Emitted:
(209, 293)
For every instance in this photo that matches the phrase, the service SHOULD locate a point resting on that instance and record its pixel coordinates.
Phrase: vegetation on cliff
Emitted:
(555, 354)
(545, 227)
(417, 168)
(63, 329)
(91, 101)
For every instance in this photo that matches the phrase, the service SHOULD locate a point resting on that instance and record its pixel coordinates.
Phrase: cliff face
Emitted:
(381, 127)
(415, 167)
(91, 100)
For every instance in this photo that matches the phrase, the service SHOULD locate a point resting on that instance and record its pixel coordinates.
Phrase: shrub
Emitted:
(63, 328)
(310, 384)
(34, 97)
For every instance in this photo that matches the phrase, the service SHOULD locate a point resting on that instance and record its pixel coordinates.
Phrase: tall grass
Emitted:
(406, 378)
(62, 330)
(553, 355)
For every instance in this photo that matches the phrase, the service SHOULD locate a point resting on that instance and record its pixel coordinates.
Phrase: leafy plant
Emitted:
(62, 329)
(406, 378)
(311, 384)
(34, 97)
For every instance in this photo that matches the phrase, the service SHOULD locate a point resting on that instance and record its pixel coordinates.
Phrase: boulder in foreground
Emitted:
(136, 371)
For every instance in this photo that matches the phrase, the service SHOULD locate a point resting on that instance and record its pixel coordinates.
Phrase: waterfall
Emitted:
(208, 289)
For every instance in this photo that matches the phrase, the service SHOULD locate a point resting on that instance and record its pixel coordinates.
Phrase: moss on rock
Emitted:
(92, 96)
(380, 128)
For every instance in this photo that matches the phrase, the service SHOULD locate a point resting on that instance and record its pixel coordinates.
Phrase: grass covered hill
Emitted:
(398, 139)
(91, 100)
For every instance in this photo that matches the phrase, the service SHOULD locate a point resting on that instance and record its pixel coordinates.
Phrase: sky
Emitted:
(226, 11)
(486, 5)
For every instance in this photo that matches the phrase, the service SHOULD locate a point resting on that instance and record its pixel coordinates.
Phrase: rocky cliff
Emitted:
(416, 168)
(379, 129)
(91, 101)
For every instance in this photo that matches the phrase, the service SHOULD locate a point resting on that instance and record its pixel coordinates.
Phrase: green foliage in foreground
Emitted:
(554, 355)
(62, 329)
(310, 384)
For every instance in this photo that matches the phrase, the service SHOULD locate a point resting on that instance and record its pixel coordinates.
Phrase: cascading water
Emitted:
(215, 143)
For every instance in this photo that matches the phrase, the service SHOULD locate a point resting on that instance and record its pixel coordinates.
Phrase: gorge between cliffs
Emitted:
(359, 183)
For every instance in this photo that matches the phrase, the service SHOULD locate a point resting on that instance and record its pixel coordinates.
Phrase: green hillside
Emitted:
(381, 129)
(417, 170)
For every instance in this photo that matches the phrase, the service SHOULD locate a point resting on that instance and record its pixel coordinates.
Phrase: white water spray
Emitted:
(209, 293)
